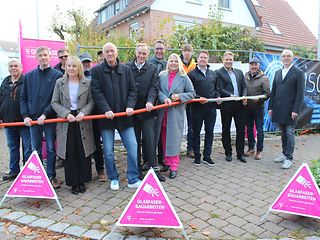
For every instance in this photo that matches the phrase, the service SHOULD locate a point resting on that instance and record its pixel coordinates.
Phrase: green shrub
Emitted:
(315, 169)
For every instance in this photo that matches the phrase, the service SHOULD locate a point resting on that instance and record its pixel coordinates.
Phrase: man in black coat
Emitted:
(205, 84)
(114, 90)
(10, 112)
(147, 80)
(231, 83)
(286, 100)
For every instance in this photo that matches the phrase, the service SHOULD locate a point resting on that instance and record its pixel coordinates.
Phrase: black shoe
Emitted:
(82, 188)
(75, 190)
(242, 159)
(145, 167)
(160, 177)
(208, 161)
(9, 176)
(229, 158)
(164, 168)
(172, 174)
(197, 162)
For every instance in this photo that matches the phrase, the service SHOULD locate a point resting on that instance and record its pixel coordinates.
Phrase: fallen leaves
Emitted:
(26, 230)
(206, 233)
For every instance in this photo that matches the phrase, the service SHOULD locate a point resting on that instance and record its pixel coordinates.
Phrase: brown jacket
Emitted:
(61, 104)
(258, 85)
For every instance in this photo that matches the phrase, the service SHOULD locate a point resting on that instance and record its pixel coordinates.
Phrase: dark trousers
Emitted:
(236, 111)
(208, 117)
(77, 167)
(189, 110)
(145, 134)
(98, 154)
(255, 117)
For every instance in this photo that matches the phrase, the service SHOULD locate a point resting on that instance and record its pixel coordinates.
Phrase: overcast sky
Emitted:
(12, 10)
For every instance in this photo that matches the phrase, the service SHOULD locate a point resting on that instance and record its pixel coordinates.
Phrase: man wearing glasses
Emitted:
(63, 55)
(285, 103)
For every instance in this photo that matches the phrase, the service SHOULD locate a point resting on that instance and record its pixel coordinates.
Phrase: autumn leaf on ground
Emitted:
(193, 226)
(26, 230)
(7, 224)
(77, 211)
(206, 233)
(86, 238)
(36, 204)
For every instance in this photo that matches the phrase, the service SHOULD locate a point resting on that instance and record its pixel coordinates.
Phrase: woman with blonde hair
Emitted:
(175, 85)
(72, 99)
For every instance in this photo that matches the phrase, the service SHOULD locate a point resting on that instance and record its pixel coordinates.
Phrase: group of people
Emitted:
(74, 89)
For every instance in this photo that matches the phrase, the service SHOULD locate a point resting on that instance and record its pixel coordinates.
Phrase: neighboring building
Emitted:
(274, 21)
(155, 18)
(7, 50)
(281, 26)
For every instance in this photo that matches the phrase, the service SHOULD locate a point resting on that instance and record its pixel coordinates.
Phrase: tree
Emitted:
(213, 35)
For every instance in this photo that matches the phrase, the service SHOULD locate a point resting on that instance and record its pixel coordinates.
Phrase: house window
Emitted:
(133, 29)
(117, 7)
(224, 4)
(185, 24)
(275, 29)
(255, 3)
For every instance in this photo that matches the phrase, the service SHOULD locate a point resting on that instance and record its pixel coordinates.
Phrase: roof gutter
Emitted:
(254, 13)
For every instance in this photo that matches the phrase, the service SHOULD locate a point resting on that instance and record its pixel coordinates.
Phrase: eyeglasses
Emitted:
(64, 56)
(159, 49)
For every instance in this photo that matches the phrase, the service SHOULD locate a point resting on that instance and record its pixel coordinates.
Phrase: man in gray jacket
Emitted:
(257, 84)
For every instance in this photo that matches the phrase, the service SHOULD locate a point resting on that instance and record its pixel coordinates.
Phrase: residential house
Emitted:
(274, 21)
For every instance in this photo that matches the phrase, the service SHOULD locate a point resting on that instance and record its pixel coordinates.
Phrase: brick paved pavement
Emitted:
(221, 202)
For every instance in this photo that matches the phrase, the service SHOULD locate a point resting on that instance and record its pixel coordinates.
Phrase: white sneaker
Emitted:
(280, 159)
(114, 185)
(135, 185)
(287, 164)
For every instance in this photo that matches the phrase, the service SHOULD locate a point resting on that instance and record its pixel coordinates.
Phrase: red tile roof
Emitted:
(292, 28)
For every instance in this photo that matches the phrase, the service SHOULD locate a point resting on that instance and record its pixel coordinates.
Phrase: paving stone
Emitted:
(312, 238)
(4, 212)
(237, 221)
(233, 231)
(42, 222)
(14, 215)
(136, 238)
(75, 231)
(94, 234)
(12, 228)
(59, 227)
(114, 236)
(27, 219)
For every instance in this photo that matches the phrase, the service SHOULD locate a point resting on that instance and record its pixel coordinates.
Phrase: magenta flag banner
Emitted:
(301, 196)
(28, 49)
(150, 206)
(32, 182)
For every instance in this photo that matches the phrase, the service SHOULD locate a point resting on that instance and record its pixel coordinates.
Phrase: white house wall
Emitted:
(238, 14)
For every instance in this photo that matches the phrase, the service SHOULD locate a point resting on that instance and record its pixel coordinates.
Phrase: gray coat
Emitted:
(181, 85)
(61, 104)
(287, 95)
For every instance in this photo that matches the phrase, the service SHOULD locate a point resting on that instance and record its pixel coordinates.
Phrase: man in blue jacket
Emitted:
(35, 104)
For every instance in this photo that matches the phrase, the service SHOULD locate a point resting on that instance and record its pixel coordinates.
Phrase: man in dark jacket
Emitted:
(35, 104)
(205, 84)
(10, 112)
(159, 60)
(286, 100)
(63, 55)
(231, 83)
(257, 84)
(147, 81)
(114, 90)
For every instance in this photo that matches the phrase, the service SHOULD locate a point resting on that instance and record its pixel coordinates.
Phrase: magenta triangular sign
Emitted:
(150, 206)
(301, 196)
(32, 181)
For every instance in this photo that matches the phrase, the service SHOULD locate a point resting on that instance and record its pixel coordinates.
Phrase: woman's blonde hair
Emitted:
(181, 69)
(79, 65)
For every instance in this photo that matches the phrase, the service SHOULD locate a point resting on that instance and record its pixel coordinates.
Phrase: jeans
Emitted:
(13, 135)
(255, 116)
(288, 140)
(190, 130)
(129, 141)
(208, 116)
(36, 133)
